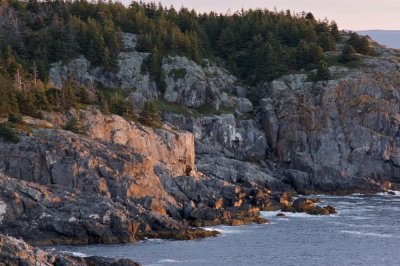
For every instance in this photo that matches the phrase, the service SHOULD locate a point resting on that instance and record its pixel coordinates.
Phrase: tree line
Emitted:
(256, 45)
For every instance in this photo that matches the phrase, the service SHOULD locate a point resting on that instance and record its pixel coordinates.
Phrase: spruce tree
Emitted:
(348, 54)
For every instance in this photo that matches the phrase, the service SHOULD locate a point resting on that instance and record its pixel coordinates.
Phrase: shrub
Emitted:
(149, 115)
(76, 125)
(15, 119)
(323, 72)
(348, 54)
(9, 134)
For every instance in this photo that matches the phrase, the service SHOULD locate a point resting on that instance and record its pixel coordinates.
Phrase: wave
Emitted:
(173, 262)
(226, 229)
(167, 261)
(397, 193)
(272, 214)
(342, 224)
(359, 233)
(154, 241)
(76, 254)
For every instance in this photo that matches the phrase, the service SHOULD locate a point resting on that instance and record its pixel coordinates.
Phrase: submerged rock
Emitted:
(308, 206)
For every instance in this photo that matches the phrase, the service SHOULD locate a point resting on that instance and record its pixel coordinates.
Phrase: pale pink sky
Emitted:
(349, 14)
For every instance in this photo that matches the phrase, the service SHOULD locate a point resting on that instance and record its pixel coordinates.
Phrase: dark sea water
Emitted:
(366, 231)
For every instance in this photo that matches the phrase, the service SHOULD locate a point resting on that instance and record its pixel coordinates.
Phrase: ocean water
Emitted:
(366, 231)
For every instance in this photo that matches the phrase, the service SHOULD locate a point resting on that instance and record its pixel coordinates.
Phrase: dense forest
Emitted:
(256, 45)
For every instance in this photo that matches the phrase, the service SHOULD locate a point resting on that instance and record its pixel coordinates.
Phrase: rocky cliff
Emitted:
(222, 160)
(336, 136)
(302, 135)
(120, 182)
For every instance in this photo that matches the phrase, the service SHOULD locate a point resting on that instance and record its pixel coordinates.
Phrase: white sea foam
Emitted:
(76, 254)
(154, 241)
(397, 193)
(172, 261)
(359, 225)
(168, 261)
(226, 229)
(350, 203)
(273, 214)
(360, 217)
(358, 233)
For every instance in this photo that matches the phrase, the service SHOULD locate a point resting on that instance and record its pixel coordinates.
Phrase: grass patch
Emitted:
(164, 106)
(334, 61)
(111, 92)
(210, 110)
(205, 110)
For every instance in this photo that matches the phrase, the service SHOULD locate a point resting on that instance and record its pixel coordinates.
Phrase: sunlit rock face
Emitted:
(118, 182)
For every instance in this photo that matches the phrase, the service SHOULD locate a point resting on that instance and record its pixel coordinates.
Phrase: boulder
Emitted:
(303, 205)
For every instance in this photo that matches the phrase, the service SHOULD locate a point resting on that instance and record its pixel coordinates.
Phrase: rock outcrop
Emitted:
(120, 182)
(338, 135)
(15, 252)
(130, 75)
(194, 86)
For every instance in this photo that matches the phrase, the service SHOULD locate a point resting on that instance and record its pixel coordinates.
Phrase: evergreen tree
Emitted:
(323, 72)
(326, 41)
(348, 54)
(360, 44)
(314, 54)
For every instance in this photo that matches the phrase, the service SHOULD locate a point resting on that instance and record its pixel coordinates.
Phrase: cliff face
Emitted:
(122, 181)
(332, 135)
(337, 136)
(118, 183)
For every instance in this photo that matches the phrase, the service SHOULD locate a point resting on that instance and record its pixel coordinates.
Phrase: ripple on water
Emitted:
(272, 214)
(368, 234)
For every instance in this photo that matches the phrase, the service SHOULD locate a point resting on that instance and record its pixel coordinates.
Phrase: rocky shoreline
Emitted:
(15, 252)
(221, 160)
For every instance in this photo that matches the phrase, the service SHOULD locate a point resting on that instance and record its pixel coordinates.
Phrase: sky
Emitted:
(349, 14)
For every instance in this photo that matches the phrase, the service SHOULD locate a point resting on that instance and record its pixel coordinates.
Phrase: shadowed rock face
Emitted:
(335, 135)
(129, 76)
(194, 86)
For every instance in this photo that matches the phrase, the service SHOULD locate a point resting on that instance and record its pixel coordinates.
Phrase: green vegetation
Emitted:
(179, 73)
(322, 73)
(149, 115)
(76, 125)
(348, 54)
(9, 134)
(15, 119)
(164, 106)
(360, 44)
